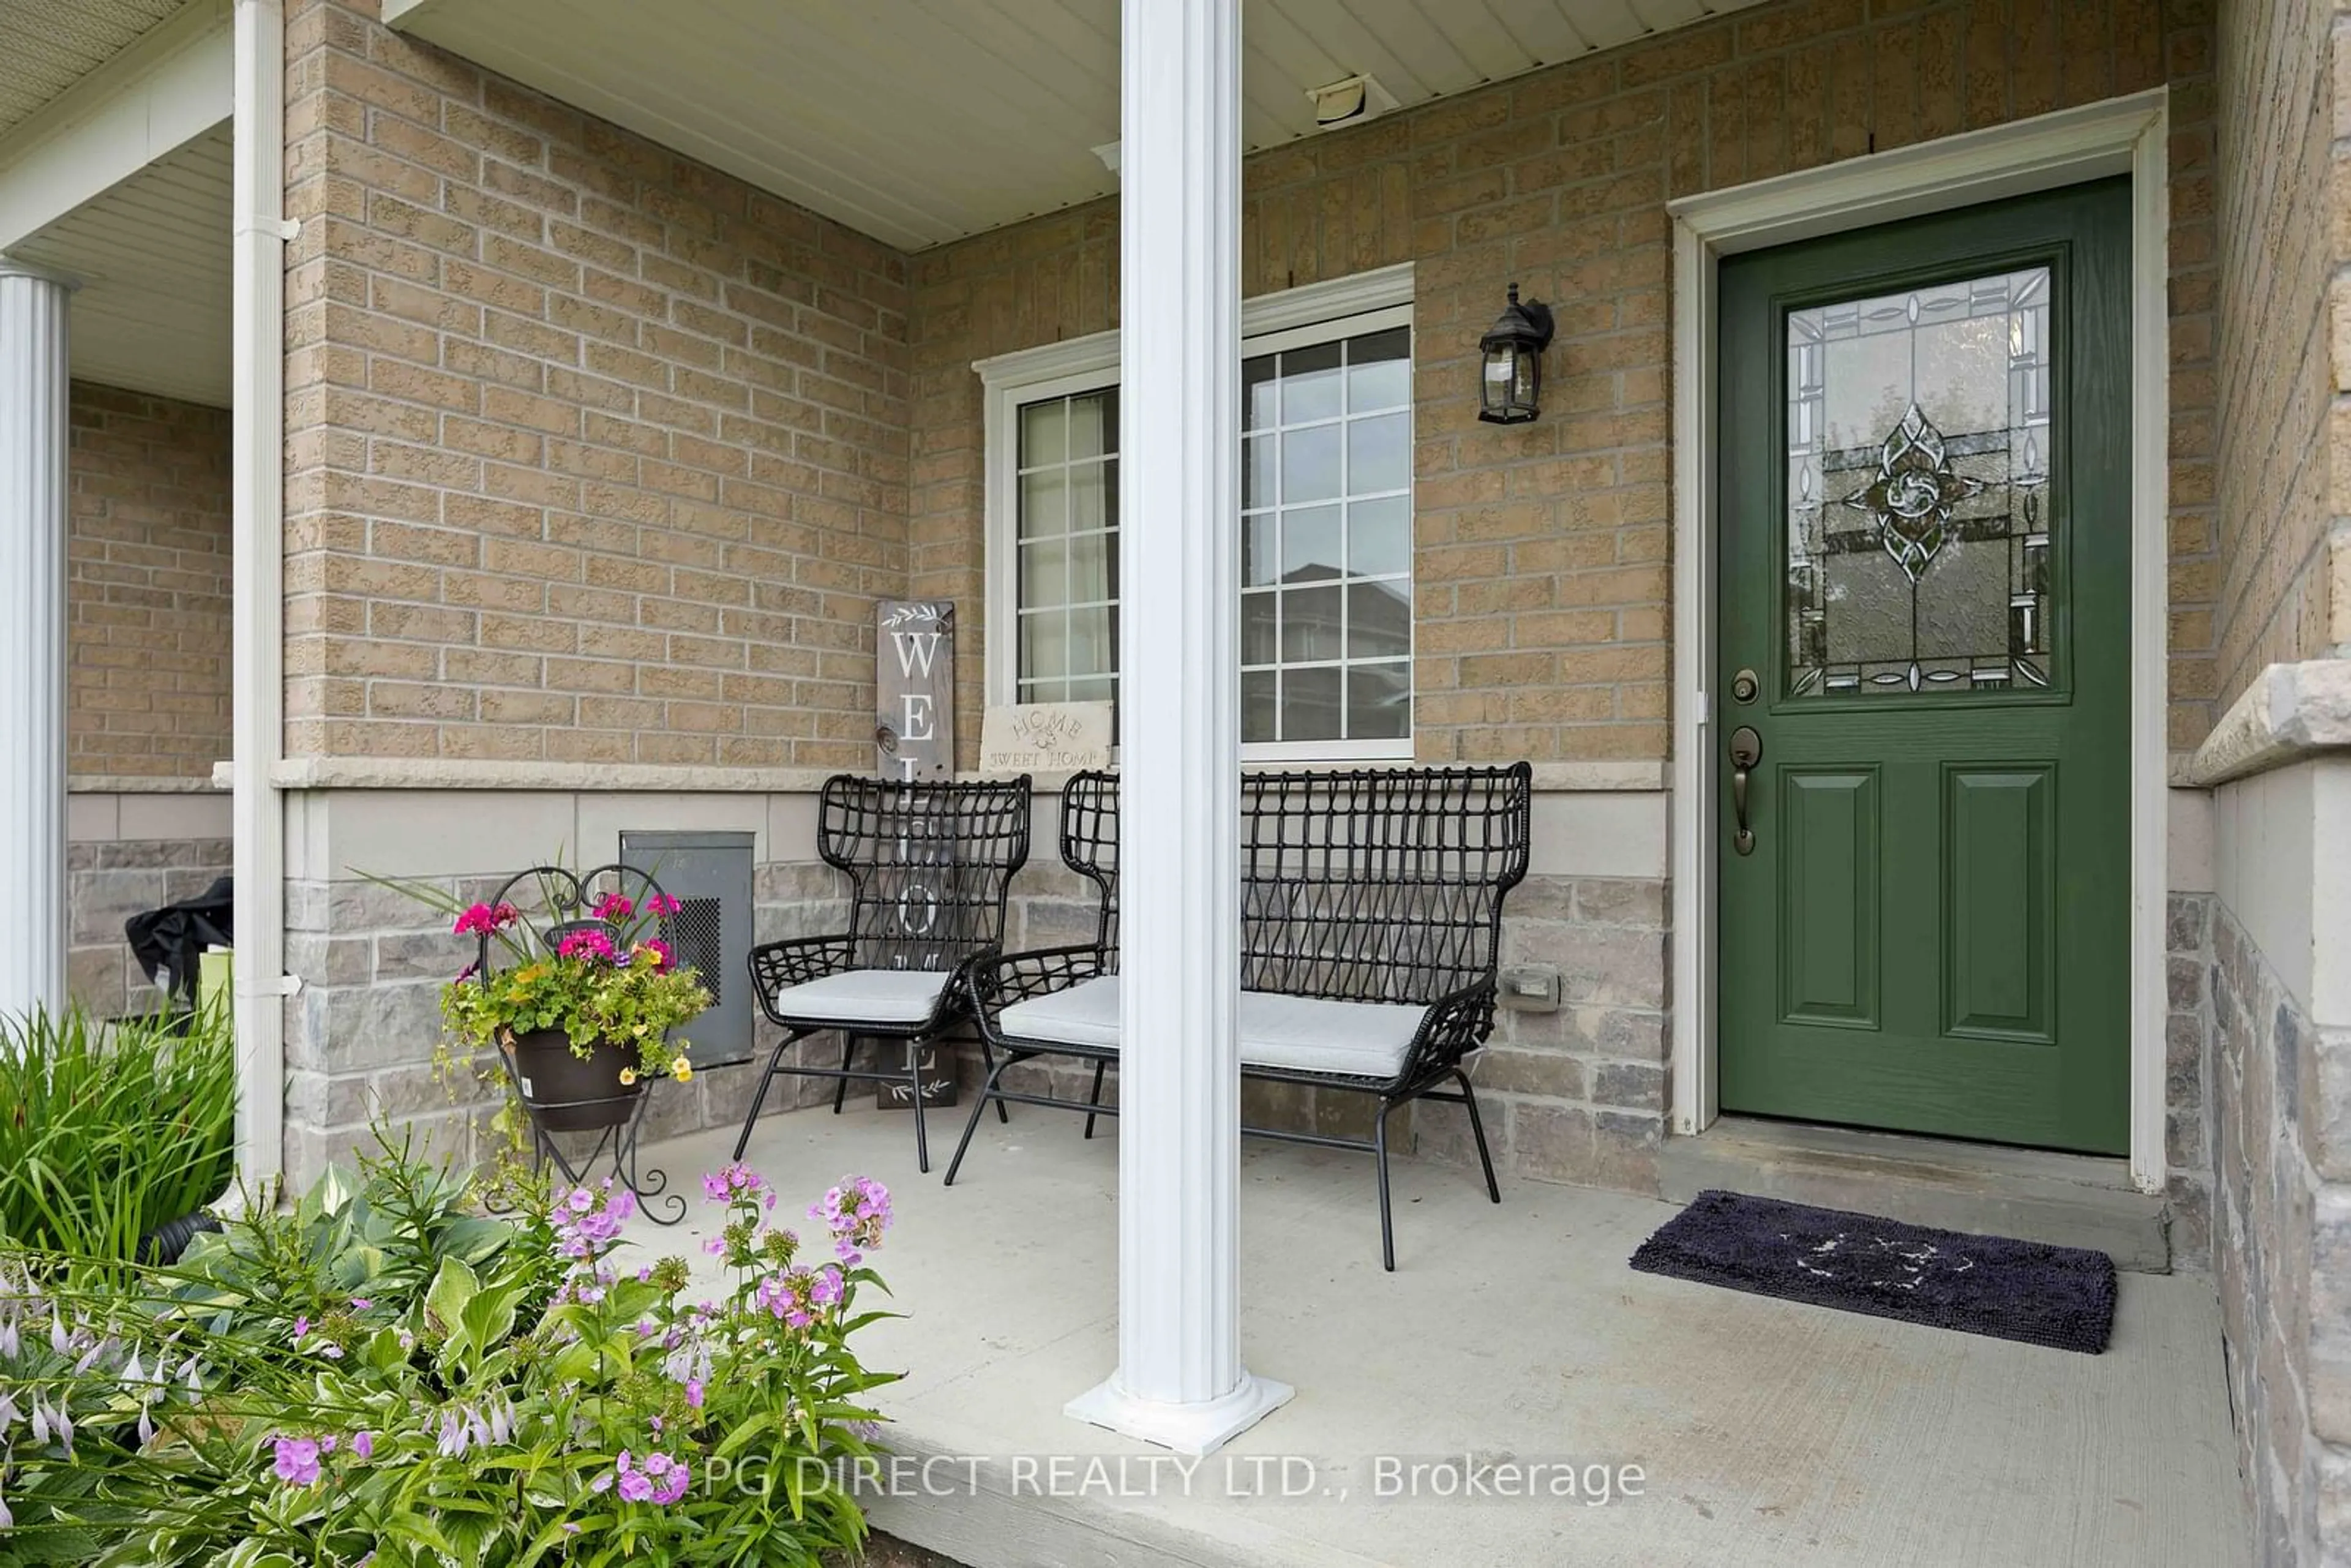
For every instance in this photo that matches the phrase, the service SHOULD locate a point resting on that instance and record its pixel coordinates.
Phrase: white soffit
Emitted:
(152, 258)
(921, 121)
(47, 45)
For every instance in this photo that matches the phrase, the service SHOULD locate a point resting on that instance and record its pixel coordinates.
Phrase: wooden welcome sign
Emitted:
(913, 724)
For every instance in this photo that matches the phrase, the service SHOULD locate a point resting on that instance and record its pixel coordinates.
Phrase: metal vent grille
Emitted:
(709, 874)
(696, 934)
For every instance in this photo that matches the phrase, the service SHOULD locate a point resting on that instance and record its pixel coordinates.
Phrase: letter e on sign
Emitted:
(913, 685)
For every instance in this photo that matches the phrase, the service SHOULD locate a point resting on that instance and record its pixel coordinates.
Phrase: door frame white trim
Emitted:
(2125, 135)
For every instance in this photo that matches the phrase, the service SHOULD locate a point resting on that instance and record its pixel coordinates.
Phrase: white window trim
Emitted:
(1091, 363)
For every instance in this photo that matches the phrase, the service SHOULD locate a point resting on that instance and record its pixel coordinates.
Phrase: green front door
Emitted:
(1925, 655)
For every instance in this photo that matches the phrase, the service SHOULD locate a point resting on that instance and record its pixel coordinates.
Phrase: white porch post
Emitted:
(1180, 1381)
(34, 389)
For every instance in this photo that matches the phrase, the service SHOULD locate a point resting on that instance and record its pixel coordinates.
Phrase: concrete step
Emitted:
(2071, 1200)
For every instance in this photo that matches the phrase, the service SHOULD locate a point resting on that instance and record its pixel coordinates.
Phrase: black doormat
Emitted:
(2062, 1297)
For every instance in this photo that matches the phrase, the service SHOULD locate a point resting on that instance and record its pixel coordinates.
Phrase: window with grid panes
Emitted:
(1325, 541)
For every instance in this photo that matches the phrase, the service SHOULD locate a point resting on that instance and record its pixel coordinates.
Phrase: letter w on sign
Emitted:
(913, 722)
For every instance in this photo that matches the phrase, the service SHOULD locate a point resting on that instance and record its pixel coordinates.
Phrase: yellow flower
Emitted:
(681, 1069)
(627, 1076)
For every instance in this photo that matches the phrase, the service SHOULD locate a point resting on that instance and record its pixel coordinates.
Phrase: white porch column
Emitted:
(1180, 1381)
(34, 389)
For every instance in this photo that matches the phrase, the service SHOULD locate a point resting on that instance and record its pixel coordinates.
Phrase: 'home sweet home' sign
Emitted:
(913, 725)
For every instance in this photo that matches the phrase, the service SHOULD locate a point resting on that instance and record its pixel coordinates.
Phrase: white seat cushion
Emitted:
(1363, 1039)
(864, 996)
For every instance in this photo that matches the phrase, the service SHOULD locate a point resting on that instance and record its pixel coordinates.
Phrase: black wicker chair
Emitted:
(928, 867)
(1371, 917)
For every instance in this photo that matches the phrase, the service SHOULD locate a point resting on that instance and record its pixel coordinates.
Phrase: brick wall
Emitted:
(147, 592)
(594, 455)
(1542, 560)
(2284, 573)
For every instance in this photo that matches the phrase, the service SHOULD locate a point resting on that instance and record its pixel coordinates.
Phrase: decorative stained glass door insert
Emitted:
(1919, 525)
(1921, 715)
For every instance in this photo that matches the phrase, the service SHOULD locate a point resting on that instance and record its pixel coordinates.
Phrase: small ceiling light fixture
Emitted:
(1509, 387)
(1349, 102)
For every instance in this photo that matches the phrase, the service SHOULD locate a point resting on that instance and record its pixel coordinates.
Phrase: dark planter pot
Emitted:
(164, 1244)
(567, 1093)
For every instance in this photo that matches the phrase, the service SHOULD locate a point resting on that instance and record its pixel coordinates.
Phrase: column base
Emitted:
(1193, 1428)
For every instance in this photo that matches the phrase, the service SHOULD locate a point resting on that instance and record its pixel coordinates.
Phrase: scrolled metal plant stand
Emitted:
(565, 900)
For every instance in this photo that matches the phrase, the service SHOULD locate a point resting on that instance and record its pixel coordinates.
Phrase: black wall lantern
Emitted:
(1511, 389)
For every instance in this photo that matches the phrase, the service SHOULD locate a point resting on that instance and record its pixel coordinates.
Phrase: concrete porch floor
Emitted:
(1768, 1433)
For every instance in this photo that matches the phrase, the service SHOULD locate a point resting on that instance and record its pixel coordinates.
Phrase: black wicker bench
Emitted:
(1371, 914)
(928, 868)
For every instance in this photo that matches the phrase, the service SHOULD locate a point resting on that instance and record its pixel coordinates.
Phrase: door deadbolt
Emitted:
(1744, 687)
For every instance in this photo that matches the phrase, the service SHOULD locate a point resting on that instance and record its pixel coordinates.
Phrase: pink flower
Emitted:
(661, 905)
(593, 945)
(664, 957)
(614, 906)
(363, 1446)
(297, 1461)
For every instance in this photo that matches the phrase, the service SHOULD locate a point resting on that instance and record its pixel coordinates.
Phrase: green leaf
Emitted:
(453, 1285)
(490, 1317)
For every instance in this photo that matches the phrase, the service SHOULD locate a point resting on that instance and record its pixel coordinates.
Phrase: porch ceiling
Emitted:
(920, 121)
(152, 258)
(52, 44)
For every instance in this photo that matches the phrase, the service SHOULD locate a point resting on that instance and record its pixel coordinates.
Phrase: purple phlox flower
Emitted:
(297, 1461)
(856, 1212)
(738, 1180)
(301, 1331)
(633, 1485)
(363, 1445)
(828, 1288)
(327, 1444)
(360, 1303)
(694, 1393)
(601, 1484)
(656, 1422)
(581, 1201)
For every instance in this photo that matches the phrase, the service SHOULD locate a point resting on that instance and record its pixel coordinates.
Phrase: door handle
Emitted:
(1746, 751)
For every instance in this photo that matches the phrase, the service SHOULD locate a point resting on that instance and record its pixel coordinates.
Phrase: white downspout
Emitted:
(258, 481)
